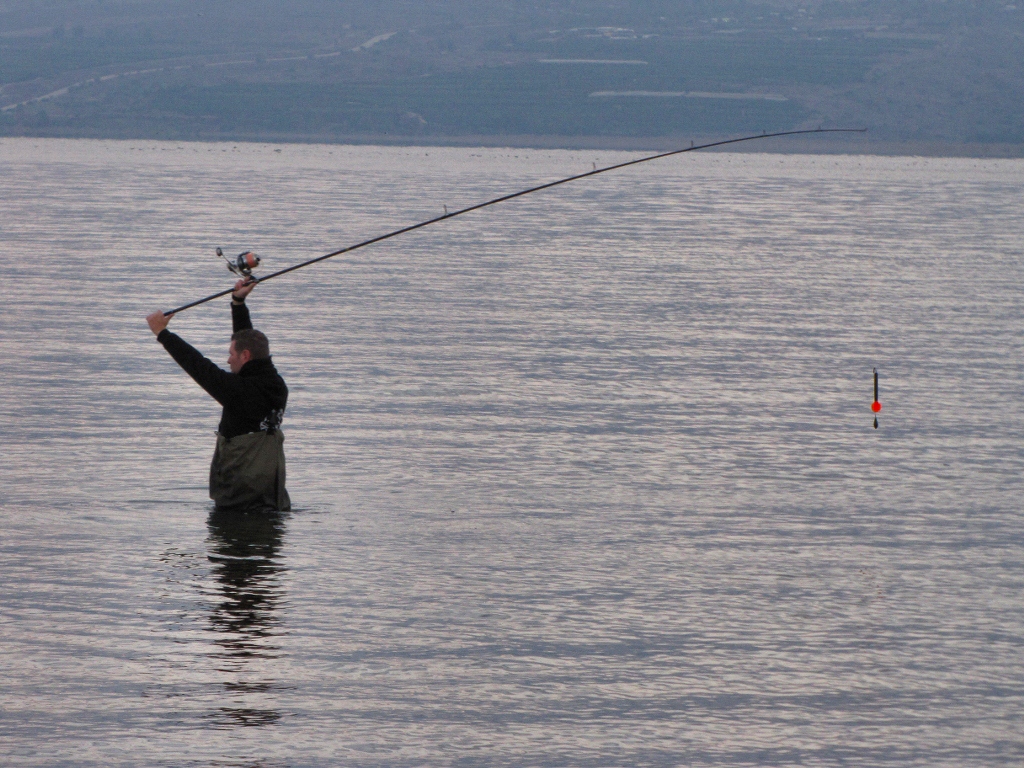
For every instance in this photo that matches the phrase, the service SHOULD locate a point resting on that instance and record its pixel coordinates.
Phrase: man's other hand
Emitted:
(158, 321)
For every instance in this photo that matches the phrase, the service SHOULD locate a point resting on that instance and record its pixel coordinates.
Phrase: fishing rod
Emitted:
(244, 260)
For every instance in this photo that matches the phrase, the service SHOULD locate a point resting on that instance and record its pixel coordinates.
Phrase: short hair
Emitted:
(252, 341)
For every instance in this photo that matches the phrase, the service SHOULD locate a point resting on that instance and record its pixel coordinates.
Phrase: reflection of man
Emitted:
(248, 463)
(245, 559)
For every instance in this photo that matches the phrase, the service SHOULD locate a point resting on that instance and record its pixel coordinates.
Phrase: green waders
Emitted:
(248, 472)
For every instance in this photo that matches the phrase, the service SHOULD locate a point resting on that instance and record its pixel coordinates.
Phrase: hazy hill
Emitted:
(559, 72)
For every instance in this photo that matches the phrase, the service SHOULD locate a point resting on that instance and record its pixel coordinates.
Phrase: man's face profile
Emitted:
(237, 359)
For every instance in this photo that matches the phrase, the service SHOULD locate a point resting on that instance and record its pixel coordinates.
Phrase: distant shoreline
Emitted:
(831, 144)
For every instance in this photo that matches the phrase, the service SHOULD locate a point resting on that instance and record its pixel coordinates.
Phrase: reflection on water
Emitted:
(244, 551)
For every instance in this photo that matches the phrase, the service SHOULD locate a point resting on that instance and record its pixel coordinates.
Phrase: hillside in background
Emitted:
(558, 73)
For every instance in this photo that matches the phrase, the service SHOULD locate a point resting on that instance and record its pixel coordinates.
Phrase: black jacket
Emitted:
(250, 397)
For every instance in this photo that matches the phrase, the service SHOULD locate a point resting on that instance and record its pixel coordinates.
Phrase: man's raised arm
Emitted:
(239, 312)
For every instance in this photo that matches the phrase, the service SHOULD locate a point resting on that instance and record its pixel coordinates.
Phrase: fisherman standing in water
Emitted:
(248, 468)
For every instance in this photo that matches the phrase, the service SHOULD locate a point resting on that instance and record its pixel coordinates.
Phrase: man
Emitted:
(248, 468)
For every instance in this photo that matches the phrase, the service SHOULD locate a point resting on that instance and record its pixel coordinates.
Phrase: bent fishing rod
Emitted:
(247, 258)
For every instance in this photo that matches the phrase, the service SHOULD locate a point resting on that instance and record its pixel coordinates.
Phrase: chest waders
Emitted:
(248, 471)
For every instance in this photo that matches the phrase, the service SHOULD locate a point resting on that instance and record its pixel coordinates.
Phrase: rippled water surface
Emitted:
(585, 479)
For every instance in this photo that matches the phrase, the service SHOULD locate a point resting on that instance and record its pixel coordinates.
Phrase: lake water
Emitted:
(585, 479)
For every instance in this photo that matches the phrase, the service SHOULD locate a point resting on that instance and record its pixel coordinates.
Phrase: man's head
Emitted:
(247, 345)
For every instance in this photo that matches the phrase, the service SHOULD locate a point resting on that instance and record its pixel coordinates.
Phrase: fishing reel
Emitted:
(243, 265)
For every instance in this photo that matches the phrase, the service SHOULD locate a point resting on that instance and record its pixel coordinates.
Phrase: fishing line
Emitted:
(446, 215)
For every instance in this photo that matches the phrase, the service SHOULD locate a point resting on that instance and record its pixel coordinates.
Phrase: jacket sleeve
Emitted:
(240, 318)
(221, 385)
